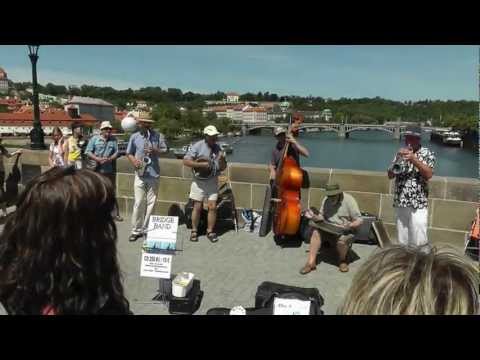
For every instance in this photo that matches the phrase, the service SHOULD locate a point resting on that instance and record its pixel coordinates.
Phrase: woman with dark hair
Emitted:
(58, 251)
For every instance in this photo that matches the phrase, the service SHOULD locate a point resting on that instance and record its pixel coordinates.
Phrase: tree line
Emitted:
(458, 114)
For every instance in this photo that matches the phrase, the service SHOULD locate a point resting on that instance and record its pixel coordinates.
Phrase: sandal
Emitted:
(194, 236)
(212, 237)
(134, 237)
(307, 268)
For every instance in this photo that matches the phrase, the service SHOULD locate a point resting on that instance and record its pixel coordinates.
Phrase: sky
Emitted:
(400, 72)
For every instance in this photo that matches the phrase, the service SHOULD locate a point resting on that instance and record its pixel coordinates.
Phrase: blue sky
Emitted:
(394, 72)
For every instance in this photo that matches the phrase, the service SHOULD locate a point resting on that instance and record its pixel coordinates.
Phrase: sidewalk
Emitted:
(231, 269)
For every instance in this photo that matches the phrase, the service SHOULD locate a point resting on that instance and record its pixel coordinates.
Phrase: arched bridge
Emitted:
(343, 130)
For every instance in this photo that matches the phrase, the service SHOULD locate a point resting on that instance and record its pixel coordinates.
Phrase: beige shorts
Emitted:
(202, 189)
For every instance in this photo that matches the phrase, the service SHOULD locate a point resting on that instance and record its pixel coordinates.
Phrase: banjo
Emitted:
(213, 169)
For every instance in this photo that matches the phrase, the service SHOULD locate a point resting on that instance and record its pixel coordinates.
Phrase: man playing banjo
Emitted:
(207, 161)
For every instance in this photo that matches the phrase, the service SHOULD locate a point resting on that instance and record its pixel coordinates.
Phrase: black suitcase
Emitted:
(189, 304)
(365, 234)
(267, 291)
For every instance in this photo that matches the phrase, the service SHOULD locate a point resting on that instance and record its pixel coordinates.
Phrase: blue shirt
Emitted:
(201, 150)
(136, 147)
(100, 147)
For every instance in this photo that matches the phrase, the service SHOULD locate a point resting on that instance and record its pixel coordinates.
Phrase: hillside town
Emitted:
(16, 118)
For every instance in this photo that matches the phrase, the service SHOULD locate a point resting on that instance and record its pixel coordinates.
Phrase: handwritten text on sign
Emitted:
(290, 307)
(156, 265)
(162, 227)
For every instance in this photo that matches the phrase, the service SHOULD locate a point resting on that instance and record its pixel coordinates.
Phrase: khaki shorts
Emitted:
(202, 189)
(330, 237)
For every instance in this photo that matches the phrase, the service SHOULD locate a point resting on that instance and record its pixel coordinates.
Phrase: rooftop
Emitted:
(88, 101)
(47, 115)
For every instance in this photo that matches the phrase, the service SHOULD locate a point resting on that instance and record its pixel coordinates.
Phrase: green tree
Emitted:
(167, 119)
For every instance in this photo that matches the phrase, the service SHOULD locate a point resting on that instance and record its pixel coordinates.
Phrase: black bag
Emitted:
(267, 291)
(249, 311)
(189, 304)
(365, 234)
(305, 179)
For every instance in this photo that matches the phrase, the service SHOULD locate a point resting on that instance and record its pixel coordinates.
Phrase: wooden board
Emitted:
(381, 234)
(267, 214)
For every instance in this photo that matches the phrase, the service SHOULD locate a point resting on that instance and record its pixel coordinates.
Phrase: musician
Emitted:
(206, 160)
(143, 150)
(411, 189)
(336, 222)
(295, 150)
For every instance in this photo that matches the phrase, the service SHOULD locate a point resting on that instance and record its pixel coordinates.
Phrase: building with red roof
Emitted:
(21, 122)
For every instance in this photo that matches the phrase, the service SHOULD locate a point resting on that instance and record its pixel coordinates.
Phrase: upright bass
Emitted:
(288, 182)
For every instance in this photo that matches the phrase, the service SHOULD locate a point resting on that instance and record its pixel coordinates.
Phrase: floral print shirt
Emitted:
(411, 189)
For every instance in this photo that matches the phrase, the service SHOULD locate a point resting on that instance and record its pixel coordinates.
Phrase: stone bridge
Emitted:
(343, 130)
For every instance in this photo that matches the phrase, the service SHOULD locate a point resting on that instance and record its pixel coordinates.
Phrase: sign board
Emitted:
(161, 234)
(161, 238)
(291, 307)
(156, 265)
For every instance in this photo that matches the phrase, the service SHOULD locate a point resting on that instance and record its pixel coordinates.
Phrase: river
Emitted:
(364, 150)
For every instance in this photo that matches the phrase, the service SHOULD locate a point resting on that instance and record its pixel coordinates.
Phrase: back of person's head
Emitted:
(400, 280)
(58, 250)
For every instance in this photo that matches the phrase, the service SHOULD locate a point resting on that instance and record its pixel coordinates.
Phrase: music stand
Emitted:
(164, 291)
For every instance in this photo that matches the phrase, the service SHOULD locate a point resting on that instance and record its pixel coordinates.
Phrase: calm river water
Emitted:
(372, 150)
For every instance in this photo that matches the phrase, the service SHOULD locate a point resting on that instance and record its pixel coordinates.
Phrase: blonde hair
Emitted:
(401, 280)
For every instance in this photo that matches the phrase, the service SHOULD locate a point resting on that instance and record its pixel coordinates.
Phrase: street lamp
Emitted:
(36, 134)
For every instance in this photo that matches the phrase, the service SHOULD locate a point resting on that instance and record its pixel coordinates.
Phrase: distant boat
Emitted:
(452, 138)
(180, 152)
(226, 147)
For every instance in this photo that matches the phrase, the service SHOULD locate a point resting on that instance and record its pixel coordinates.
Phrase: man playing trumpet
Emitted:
(412, 168)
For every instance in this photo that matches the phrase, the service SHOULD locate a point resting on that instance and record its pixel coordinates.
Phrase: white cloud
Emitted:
(19, 74)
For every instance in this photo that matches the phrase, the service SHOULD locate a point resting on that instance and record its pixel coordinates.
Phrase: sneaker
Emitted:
(118, 218)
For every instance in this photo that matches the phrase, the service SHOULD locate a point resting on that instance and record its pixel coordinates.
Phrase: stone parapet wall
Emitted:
(452, 201)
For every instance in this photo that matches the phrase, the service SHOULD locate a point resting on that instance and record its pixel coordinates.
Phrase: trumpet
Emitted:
(399, 166)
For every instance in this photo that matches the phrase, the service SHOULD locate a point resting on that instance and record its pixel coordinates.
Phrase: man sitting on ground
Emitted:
(338, 218)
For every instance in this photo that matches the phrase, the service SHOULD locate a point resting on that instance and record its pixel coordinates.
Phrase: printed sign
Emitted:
(291, 307)
(156, 265)
(161, 234)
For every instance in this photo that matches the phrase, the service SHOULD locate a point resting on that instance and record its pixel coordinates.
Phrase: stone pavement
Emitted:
(231, 269)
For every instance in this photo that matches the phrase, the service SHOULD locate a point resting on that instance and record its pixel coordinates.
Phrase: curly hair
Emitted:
(58, 250)
(401, 280)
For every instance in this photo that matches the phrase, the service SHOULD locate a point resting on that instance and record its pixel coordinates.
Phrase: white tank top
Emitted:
(57, 154)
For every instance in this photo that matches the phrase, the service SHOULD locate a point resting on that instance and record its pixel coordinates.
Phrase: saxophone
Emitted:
(146, 160)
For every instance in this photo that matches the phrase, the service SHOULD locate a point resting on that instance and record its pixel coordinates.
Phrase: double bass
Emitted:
(288, 181)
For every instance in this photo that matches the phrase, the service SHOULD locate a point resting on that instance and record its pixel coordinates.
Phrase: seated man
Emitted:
(339, 216)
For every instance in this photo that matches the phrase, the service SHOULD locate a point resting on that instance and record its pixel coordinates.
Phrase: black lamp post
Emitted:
(36, 134)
